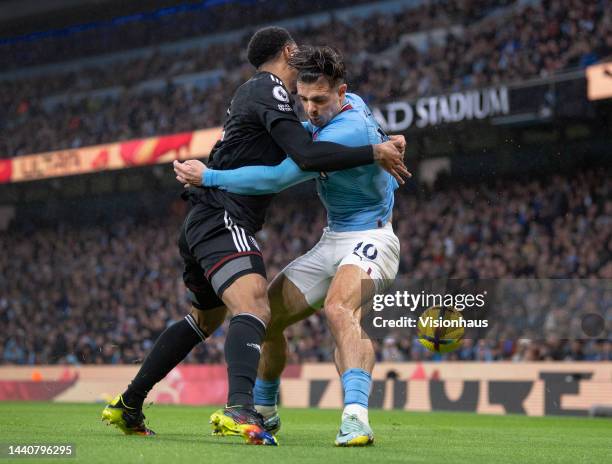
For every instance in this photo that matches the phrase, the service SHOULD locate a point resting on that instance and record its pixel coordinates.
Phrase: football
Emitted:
(440, 329)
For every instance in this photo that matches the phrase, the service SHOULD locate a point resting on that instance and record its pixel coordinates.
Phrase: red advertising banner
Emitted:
(5, 170)
(120, 155)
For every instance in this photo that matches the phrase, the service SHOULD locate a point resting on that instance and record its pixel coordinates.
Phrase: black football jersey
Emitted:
(246, 141)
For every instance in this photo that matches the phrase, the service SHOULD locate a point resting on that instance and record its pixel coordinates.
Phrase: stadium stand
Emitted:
(467, 44)
(149, 26)
(100, 87)
(102, 293)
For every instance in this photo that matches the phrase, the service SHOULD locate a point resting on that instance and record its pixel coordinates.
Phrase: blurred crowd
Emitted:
(102, 294)
(151, 28)
(371, 34)
(476, 48)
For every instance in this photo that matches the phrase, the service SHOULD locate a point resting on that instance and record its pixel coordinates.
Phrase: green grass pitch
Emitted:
(308, 435)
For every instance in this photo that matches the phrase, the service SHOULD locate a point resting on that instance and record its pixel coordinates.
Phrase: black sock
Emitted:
(242, 351)
(170, 349)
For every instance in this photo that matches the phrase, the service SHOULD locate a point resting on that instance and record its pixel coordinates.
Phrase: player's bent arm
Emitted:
(318, 156)
(257, 180)
(260, 180)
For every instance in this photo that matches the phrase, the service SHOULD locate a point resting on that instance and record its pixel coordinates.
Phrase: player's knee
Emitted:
(260, 306)
(208, 321)
(261, 312)
(248, 295)
(196, 315)
(275, 344)
(337, 313)
(279, 318)
(275, 329)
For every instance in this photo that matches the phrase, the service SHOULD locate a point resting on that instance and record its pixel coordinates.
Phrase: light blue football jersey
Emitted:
(359, 198)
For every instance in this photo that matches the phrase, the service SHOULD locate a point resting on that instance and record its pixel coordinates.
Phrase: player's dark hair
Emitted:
(314, 62)
(266, 44)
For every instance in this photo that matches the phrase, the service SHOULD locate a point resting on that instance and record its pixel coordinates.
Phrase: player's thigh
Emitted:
(229, 259)
(201, 294)
(288, 304)
(369, 265)
(350, 288)
(248, 294)
(311, 273)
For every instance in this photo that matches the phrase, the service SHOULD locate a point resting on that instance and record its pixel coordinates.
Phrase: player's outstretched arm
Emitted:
(248, 180)
(257, 180)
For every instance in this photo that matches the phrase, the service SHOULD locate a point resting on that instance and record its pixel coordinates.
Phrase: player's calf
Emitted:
(288, 305)
(169, 349)
(354, 353)
(125, 411)
(267, 384)
(246, 299)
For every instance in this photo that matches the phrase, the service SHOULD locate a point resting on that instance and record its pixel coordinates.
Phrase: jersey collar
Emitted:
(345, 107)
(277, 80)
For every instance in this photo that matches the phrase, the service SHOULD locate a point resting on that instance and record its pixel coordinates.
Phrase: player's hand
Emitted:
(389, 157)
(189, 172)
(400, 142)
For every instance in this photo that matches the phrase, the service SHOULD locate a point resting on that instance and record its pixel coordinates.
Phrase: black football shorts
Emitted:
(216, 252)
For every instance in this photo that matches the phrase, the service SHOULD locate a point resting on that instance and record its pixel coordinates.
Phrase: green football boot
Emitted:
(129, 420)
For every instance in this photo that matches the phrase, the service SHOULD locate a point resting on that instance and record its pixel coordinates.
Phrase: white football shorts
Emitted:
(376, 251)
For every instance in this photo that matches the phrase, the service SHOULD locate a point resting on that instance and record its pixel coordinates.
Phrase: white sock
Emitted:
(356, 410)
(266, 411)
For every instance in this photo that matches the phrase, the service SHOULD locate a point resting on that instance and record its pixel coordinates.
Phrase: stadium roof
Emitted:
(18, 17)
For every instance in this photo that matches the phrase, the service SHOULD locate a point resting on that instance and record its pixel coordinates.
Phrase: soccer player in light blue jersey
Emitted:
(357, 255)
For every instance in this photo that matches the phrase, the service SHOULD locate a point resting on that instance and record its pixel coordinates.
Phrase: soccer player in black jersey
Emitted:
(224, 269)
